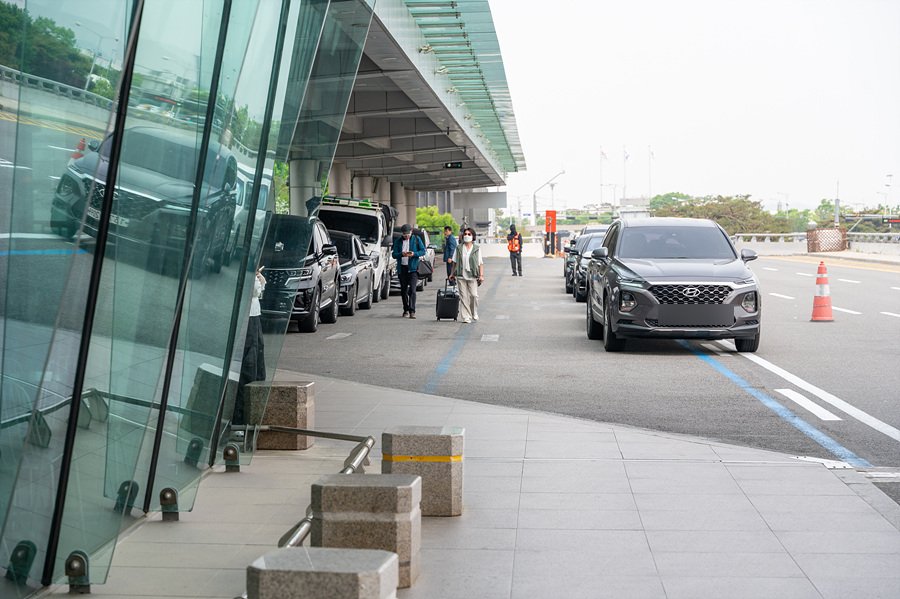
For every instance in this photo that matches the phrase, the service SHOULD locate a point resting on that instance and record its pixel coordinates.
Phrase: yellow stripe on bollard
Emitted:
(421, 458)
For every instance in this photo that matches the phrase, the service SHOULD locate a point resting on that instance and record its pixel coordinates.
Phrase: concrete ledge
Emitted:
(434, 453)
(323, 573)
(203, 401)
(370, 511)
(290, 403)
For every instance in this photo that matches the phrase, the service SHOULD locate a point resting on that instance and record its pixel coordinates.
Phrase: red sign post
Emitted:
(550, 229)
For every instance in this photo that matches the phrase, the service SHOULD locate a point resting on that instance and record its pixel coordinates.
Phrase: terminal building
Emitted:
(137, 184)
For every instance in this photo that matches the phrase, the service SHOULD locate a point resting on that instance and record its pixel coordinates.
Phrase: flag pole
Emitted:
(601, 175)
(649, 173)
(624, 171)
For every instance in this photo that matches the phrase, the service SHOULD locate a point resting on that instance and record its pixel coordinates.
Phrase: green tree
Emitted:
(428, 218)
(659, 201)
(735, 214)
(280, 188)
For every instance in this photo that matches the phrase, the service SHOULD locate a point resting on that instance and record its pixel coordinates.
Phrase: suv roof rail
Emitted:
(351, 203)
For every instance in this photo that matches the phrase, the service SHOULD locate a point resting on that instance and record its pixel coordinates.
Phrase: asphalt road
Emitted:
(530, 350)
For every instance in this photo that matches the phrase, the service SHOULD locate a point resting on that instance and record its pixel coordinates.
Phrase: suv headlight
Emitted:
(345, 278)
(748, 302)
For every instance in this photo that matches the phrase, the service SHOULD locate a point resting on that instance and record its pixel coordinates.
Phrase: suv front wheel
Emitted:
(311, 323)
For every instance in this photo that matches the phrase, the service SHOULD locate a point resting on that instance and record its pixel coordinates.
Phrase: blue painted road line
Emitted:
(435, 379)
(40, 252)
(442, 368)
(801, 425)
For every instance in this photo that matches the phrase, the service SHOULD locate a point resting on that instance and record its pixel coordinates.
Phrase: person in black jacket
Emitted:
(514, 246)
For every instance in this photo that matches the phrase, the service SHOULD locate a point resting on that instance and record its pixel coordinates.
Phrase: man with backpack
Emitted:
(514, 245)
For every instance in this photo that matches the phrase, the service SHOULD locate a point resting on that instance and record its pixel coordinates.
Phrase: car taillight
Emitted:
(748, 303)
(627, 302)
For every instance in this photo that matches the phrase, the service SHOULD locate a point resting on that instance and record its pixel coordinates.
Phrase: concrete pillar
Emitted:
(305, 187)
(290, 403)
(323, 573)
(434, 453)
(410, 206)
(370, 511)
(339, 180)
(398, 202)
(362, 187)
(382, 193)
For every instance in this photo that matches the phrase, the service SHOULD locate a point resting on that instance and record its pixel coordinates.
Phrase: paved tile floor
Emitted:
(554, 507)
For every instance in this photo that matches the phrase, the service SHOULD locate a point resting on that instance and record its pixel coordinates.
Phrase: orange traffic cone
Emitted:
(78, 153)
(822, 302)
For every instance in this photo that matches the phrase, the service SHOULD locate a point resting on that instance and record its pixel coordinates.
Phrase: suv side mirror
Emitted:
(747, 255)
(93, 145)
(599, 254)
(329, 249)
(388, 241)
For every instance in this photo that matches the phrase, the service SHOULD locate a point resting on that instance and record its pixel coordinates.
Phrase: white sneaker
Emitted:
(466, 321)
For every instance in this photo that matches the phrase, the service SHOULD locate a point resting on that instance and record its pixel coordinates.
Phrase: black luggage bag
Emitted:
(447, 301)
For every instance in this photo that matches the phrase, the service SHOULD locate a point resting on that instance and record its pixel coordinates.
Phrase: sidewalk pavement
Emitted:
(553, 507)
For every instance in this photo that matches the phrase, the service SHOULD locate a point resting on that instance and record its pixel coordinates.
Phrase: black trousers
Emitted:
(515, 258)
(253, 365)
(409, 280)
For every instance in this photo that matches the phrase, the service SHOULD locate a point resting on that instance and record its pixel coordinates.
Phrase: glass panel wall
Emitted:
(133, 218)
(60, 68)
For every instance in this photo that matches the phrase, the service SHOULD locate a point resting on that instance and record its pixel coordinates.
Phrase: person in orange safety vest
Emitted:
(514, 246)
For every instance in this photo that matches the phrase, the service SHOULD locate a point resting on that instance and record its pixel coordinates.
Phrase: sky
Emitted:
(789, 101)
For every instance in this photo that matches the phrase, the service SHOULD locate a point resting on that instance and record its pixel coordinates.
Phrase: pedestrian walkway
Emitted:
(553, 507)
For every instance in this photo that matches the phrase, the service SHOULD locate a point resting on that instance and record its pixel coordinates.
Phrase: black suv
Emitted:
(302, 274)
(154, 193)
(672, 278)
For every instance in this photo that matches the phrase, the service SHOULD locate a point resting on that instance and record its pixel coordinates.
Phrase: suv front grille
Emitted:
(276, 278)
(125, 204)
(706, 294)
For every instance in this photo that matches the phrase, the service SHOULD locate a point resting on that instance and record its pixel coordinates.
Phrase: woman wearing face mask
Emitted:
(468, 272)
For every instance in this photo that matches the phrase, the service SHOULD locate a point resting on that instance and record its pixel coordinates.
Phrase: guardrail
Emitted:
(13, 76)
(875, 237)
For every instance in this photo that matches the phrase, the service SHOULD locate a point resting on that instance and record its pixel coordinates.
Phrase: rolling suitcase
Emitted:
(447, 301)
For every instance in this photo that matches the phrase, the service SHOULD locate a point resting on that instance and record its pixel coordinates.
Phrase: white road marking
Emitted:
(58, 148)
(844, 310)
(805, 274)
(825, 396)
(805, 403)
(891, 314)
(896, 288)
(772, 269)
(849, 281)
(339, 336)
(716, 350)
(490, 337)
(782, 296)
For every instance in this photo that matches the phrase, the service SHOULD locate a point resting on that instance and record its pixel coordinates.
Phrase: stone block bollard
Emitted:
(436, 454)
(323, 573)
(370, 511)
(203, 401)
(290, 403)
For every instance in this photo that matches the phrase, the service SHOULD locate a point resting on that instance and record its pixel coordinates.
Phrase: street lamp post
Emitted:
(100, 39)
(534, 195)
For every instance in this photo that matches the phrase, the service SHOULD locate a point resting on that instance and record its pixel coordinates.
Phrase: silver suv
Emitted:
(672, 278)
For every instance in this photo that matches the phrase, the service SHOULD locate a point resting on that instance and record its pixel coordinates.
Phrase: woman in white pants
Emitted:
(468, 272)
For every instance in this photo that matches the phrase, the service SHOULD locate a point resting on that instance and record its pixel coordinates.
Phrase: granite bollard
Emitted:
(370, 511)
(323, 573)
(436, 454)
(290, 403)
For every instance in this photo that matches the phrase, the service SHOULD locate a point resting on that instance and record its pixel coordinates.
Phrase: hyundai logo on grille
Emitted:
(691, 292)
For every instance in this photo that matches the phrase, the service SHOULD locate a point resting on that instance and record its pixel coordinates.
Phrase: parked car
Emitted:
(373, 223)
(572, 255)
(357, 273)
(154, 193)
(302, 274)
(244, 189)
(590, 242)
(672, 278)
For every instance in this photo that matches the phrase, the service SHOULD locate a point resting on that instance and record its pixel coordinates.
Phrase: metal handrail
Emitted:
(357, 458)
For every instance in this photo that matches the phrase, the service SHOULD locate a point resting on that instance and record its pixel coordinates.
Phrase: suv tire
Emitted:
(747, 344)
(611, 342)
(350, 308)
(370, 297)
(594, 330)
(311, 323)
(330, 315)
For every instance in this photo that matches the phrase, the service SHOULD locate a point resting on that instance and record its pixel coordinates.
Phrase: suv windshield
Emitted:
(699, 243)
(343, 246)
(287, 243)
(364, 226)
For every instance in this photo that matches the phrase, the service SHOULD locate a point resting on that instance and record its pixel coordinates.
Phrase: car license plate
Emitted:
(696, 315)
(113, 219)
